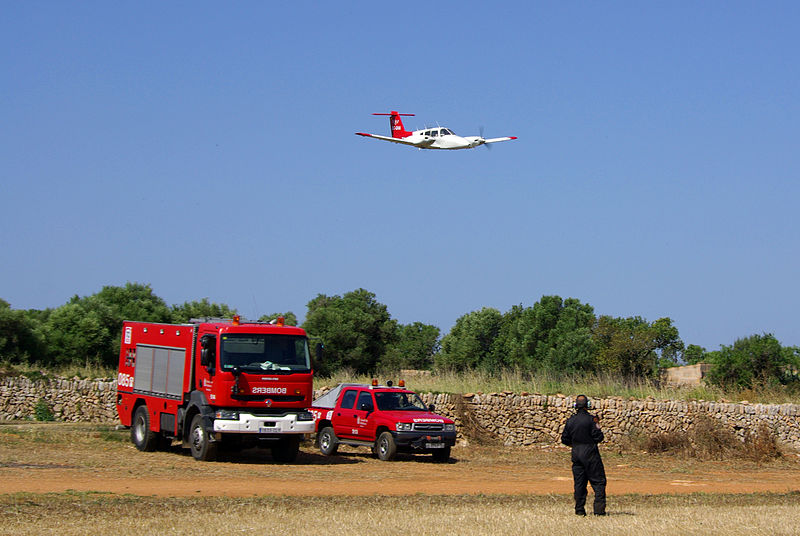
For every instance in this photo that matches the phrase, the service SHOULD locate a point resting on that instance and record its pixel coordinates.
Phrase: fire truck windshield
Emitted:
(393, 401)
(262, 352)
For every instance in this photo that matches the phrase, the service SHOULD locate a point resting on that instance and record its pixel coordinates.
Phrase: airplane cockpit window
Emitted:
(446, 132)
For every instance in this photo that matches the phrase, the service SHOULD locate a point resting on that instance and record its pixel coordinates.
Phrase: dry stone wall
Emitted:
(67, 400)
(528, 419)
(511, 418)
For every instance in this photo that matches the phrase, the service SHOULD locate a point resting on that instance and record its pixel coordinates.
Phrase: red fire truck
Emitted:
(385, 418)
(213, 382)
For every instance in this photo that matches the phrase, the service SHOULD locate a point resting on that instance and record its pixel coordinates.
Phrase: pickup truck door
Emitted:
(344, 415)
(365, 410)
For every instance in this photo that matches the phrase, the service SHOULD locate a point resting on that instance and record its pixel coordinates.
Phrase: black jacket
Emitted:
(581, 430)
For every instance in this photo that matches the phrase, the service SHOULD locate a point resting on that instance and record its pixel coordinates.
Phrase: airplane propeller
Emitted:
(483, 139)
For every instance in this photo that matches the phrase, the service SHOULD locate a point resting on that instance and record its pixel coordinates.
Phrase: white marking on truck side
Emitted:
(124, 380)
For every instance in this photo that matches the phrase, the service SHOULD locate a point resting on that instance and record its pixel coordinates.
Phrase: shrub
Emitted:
(670, 442)
(470, 426)
(42, 411)
(634, 440)
(761, 445)
(711, 440)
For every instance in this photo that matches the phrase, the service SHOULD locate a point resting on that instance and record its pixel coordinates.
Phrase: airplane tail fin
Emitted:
(396, 124)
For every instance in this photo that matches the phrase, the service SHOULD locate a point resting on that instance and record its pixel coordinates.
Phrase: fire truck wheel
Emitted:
(141, 435)
(441, 455)
(286, 450)
(202, 447)
(385, 447)
(328, 444)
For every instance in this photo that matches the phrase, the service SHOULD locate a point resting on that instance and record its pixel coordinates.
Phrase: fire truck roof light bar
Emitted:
(213, 320)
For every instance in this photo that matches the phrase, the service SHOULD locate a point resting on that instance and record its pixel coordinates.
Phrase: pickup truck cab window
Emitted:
(388, 401)
(365, 401)
(348, 399)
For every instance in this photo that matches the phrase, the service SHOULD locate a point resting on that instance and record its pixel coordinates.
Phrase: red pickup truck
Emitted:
(385, 418)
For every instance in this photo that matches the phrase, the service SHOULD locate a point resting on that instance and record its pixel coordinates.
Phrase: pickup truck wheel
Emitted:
(286, 450)
(202, 447)
(441, 455)
(385, 447)
(328, 443)
(141, 435)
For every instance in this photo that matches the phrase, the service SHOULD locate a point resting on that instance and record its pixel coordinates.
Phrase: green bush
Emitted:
(42, 411)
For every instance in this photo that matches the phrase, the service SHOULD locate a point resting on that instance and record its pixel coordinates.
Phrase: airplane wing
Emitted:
(495, 140)
(394, 140)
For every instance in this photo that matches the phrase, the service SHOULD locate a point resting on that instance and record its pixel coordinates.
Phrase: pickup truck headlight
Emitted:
(449, 427)
(305, 416)
(404, 426)
(227, 415)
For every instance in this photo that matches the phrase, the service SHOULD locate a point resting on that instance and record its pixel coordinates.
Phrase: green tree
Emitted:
(568, 345)
(134, 301)
(87, 330)
(471, 342)
(554, 334)
(634, 347)
(694, 354)
(415, 347)
(289, 318)
(81, 332)
(21, 340)
(516, 342)
(355, 328)
(752, 361)
(200, 309)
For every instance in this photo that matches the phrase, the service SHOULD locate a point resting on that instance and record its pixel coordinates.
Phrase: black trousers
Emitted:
(587, 467)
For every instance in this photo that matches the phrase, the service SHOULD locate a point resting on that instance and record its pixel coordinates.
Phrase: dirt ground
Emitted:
(41, 458)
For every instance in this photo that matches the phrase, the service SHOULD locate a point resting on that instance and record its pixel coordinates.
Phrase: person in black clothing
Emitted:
(582, 432)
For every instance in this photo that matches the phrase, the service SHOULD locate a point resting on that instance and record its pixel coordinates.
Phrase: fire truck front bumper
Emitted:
(234, 422)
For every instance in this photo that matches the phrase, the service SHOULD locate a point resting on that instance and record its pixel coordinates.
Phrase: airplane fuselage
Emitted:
(441, 138)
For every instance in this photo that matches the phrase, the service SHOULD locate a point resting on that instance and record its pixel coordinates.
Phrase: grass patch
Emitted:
(113, 435)
(80, 513)
(88, 371)
(593, 385)
(517, 381)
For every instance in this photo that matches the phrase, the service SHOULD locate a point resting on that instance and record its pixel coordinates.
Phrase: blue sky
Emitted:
(207, 149)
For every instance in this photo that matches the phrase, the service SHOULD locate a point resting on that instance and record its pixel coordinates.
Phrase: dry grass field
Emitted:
(468, 515)
(87, 479)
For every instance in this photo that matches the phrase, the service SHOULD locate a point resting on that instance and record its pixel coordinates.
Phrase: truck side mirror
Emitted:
(431, 408)
(320, 347)
(366, 407)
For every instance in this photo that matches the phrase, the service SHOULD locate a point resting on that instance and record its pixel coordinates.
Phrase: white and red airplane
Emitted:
(430, 138)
